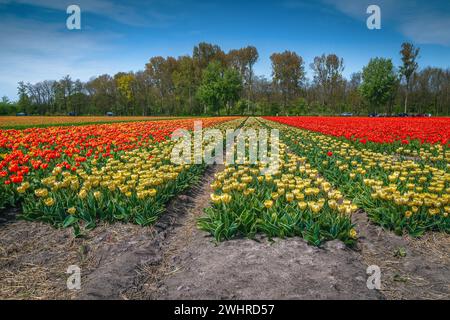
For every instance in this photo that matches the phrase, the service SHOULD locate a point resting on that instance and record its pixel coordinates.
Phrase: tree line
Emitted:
(214, 82)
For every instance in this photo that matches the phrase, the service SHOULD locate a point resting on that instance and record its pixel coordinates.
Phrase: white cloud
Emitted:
(135, 14)
(428, 29)
(33, 51)
(421, 22)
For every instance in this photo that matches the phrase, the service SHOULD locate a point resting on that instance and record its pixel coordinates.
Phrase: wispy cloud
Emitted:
(428, 29)
(33, 51)
(138, 14)
(36, 48)
(423, 23)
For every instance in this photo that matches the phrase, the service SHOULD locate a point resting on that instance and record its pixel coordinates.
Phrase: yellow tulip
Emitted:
(82, 194)
(289, 197)
(215, 198)
(49, 202)
(97, 195)
(42, 193)
(302, 205)
(268, 204)
(353, 234)
(226, 198)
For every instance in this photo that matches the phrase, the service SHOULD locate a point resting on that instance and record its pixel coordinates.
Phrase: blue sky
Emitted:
(122, 35)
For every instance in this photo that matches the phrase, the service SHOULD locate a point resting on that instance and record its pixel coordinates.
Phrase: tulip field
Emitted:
(395, 170)
(77, 176)
(324, 179)
(335, 195)
(397, 191)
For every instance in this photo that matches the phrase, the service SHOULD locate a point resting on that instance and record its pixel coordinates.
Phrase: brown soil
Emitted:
(175, 260)
(411, 268)
(34, 257)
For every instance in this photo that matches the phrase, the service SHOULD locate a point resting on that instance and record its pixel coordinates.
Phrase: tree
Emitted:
(24, 103)
(378, 83)
(288, 73)
(7, 107)
(143, 92)
(209, 81)
(243, 61)
(185, 82)
(428, 88)
(230, 87)
(103, 93)
(409, 55)
(205, 53)
(328, 76)
(64, 89)
(219, 87)
(124, 84)
(160, 71)
(353, 96)
(208, 92)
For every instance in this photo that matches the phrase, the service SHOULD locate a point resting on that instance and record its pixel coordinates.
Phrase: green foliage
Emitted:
(7, 107)
(220, 87)
(379, 82)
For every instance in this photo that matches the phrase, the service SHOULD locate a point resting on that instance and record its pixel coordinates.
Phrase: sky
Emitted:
(36, 45)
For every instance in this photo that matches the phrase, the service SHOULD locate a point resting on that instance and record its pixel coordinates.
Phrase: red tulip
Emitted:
(16, 179)
(377, 130)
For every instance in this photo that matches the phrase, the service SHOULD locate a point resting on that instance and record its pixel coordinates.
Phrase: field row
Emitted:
(421, 139)
(282, 197)
(47, 121)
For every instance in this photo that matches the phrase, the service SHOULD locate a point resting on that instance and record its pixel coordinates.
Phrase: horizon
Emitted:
(117, 37)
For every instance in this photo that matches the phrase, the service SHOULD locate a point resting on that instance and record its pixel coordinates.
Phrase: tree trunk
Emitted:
(406, 98)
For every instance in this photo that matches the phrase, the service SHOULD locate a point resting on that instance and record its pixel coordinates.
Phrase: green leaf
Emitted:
(69, 221)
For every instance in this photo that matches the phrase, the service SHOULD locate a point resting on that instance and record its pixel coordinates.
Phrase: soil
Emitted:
(175, 260)
(411, 268)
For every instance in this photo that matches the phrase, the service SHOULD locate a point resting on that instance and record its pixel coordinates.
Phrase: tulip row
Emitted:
(399, 194)
(293, 200)
(377, 130)
(423, 140)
